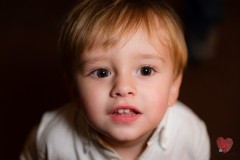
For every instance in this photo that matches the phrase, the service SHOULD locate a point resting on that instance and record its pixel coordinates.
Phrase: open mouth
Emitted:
(124, 114)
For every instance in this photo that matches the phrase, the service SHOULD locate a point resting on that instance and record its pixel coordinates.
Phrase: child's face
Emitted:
(126, 89)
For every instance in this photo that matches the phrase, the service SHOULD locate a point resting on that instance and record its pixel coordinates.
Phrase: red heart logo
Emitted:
(224, 145)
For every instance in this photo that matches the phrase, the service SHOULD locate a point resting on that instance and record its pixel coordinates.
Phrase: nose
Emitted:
(123, 86)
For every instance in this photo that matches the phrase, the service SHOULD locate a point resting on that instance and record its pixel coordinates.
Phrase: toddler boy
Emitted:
(123, 60)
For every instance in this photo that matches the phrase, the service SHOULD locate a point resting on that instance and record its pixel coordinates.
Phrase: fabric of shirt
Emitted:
(63, 135)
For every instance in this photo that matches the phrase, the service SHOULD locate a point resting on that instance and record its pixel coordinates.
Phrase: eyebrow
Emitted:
(138, 56)
(149, 56)
(92, 60)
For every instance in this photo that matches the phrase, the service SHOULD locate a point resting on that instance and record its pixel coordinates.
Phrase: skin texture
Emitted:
(124, 84)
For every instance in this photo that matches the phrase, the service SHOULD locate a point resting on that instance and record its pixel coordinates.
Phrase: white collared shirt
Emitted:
(181, 135)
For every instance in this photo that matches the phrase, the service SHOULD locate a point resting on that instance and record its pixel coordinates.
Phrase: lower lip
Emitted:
(125, 119)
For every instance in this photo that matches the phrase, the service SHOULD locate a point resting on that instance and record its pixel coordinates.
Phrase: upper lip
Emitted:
(115, 108)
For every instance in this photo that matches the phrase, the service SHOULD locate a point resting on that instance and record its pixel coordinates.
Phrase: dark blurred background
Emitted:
(31, 78)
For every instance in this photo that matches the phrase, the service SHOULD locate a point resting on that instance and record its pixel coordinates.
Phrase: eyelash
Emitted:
(96, 73)
(152, 70)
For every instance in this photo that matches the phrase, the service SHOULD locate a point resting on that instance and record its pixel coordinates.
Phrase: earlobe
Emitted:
(174, 90)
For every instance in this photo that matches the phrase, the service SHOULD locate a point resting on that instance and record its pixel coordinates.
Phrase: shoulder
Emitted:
(58, 132)
(54, 137)
(187, 130)
(182, 118)
(60, 119)
(181, 114)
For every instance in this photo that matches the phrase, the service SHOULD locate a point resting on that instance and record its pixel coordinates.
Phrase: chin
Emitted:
(125, 136)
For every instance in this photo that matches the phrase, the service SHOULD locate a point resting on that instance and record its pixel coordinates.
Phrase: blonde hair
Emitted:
(104, 22)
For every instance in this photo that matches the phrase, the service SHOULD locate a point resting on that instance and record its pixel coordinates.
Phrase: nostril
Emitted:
(118, 94)
(123, 94)
(122, 90)
(130, 92)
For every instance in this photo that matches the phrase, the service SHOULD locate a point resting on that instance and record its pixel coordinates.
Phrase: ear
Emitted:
(174, 90)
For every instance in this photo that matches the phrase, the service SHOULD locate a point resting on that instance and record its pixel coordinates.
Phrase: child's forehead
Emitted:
(156, 36)
(137, 44)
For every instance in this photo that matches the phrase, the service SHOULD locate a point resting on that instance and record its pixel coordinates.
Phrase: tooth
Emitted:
(120, 110)
(126, 110)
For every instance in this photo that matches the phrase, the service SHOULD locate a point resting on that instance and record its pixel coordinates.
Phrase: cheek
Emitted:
(156, 91)
(92, 108)
(156, 107)
(92, 99)
(90, 91)
(155, 100)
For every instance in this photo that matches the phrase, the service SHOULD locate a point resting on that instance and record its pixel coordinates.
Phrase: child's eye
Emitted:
(101, 73)
(145, 71)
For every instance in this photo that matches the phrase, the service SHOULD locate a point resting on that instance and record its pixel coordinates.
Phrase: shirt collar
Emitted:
(159, 135)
